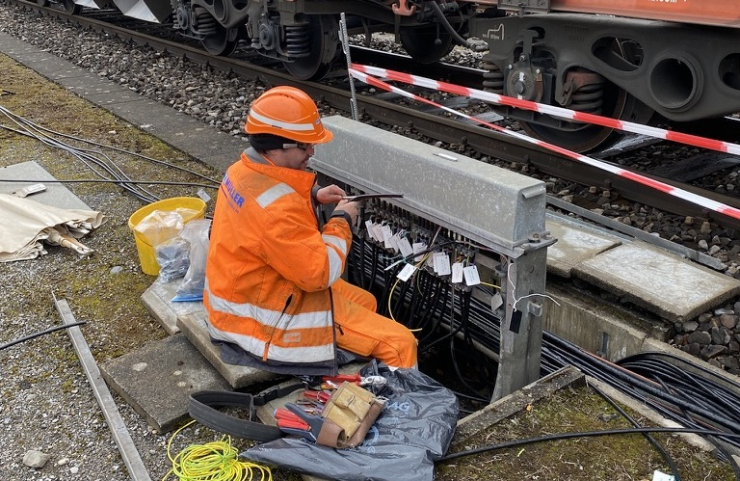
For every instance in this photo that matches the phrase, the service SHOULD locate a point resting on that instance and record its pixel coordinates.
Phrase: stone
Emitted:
(711, 352)
(35, 459)
(694, 349)
(730, 362)
(700, 337)
(690, 326)
(728, 320)
(720, 336)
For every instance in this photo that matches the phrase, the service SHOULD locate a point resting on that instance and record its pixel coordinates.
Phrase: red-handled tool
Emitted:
(319, 396)
(285, 417)
(290, 423)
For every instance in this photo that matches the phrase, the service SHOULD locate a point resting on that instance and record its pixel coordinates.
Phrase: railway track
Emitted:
(382, 108)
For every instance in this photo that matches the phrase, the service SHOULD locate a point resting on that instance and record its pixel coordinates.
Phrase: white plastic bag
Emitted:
(196, 233)
(163, 225)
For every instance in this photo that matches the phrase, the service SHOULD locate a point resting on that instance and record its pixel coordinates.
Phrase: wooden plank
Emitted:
(125, 444)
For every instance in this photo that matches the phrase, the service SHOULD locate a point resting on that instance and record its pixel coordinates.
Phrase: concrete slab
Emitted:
(193, 326)
(56, 194)
(157, 379)
(99, 91)
(15, 48)
(576, 243)
(54, 68)
(158, 300)
(658, 281)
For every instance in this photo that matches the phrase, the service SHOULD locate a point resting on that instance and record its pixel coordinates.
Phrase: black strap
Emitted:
(203, 405)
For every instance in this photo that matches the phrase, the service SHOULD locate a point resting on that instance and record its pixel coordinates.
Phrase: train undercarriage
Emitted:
(577, 54)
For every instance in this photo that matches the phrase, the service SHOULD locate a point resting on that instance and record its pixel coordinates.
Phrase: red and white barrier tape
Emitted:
(552, 110)
(668, 189)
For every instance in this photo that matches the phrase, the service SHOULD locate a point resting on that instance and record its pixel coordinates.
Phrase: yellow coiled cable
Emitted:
(215, 461)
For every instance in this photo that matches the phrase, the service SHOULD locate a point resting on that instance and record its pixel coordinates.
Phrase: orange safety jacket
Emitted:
(269, 269)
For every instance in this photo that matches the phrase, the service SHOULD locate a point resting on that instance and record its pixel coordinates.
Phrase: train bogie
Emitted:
(620, 67)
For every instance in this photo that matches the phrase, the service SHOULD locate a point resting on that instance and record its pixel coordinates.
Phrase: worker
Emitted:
(273, 292)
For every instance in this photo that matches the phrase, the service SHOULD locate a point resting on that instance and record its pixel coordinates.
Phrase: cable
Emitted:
(215, 461)
(105, 146)
(48, 331)
(109, 181)
(584, 434)
(98, 162)
(659, 447)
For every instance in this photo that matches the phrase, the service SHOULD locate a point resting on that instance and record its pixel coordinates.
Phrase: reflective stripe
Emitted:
(335, 265)
(274, 193)
(337, 242)
(256, 347)
(268, 317)
(280, 125)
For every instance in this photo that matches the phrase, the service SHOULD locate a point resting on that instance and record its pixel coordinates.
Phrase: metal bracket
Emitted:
(525, 6)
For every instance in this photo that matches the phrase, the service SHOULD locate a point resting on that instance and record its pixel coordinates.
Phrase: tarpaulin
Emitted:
(415, 429)
(25, 223)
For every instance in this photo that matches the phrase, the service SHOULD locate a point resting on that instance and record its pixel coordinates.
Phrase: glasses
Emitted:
(298, 145)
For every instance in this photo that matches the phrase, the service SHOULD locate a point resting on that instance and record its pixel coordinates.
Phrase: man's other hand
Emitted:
(331, 194)
(352, 208)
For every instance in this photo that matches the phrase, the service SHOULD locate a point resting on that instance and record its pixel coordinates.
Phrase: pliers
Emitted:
(336, 381)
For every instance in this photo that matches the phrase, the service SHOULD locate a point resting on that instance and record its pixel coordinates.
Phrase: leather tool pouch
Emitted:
(348, 415)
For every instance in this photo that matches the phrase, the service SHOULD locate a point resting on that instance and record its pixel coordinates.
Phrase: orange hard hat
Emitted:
(287, 112)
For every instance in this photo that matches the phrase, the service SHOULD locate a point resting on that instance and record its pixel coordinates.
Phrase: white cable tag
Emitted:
(387, 232)
(496, 302)
(441, 263)
(418, 247)
(370, 226)
(406, 273)
(378, 232)
(393, 241)
(457, 272)
(405, 247)
(204, 196)
(471, 275)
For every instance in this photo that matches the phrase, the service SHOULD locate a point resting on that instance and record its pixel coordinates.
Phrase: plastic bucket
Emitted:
(147, 257)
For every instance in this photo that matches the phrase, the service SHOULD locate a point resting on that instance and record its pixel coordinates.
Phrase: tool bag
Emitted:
(348, 415)
(415, 429)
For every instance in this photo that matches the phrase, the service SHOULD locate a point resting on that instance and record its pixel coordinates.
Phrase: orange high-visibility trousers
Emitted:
(359, 329)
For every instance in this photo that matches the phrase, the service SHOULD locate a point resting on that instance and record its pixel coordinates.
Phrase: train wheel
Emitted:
(617, 104)
(223, 42)
(426, 44)
(71, 7)
(321, 40)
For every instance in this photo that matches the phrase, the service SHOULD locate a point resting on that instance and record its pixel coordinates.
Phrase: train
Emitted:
(638, 60)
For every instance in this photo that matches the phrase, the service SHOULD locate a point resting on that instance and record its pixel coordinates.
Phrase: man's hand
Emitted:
(330, 194)
(352, 208)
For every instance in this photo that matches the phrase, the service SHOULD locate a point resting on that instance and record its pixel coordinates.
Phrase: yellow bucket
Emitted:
(147, 256)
